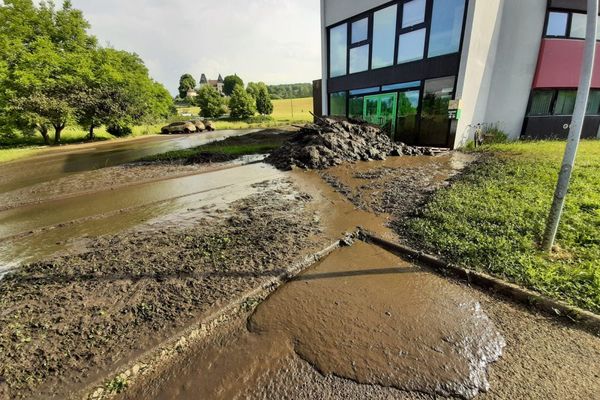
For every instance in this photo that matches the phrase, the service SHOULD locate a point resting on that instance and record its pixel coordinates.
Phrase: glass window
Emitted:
(565, 102)
(541, 101)
(359, 59)
(593, 107)
(384, 37)
(398, 86)
(446, 27)
(338, 53)
(414, 13)
(337, 104)
(435, 125)
(411, 46)
(356, 107)
(360, 30)
(578, 25)
(364, 91)
(557, 24)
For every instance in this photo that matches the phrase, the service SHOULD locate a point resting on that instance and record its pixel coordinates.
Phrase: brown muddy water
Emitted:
(361, 314)
(59, 162)
(36, 232)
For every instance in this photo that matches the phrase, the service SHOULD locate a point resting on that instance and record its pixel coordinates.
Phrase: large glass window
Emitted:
(541, 101)
(414, 13)
(384, 37)
(356, 107)
(398, 86)
(360, 30)
(557, 24)
(359, 59)
(446, 27)
(565, 102)
(411, 46)
(337, 104)
(593, 107)
(578, 25)
(435, 125)
(338, 50)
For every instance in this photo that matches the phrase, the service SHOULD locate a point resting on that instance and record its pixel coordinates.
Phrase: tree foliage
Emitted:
(211, 103)
(264, 106)
(230, 82)
(52, 72)
(291, 91)
(186, 82)
(241, 104)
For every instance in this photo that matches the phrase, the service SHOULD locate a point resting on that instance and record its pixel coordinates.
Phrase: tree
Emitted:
(264, 106)
(241, 103)
(230, 82)
(211, 103)
(253, 88)
(186, 82)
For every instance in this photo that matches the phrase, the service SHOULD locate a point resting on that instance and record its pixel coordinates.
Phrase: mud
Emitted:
(362, 314)
(66, 320)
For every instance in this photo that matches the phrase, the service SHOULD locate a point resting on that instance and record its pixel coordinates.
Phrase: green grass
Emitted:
(493, 217)
(255, 143)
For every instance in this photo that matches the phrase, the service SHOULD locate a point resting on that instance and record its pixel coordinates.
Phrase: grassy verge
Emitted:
(231, 148)
(492, 219)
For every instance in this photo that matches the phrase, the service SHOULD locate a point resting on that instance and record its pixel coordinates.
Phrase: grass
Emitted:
(492, 219)
(255, 143)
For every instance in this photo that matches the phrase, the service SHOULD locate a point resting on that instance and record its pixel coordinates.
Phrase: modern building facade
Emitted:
(430, 71)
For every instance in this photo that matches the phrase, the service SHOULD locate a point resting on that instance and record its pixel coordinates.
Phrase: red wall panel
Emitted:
(559, 64)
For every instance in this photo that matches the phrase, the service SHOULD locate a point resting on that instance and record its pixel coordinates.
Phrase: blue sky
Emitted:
(275, 41)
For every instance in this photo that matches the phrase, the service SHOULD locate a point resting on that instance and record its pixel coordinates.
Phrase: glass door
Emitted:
(381, 110)
(407, 128)
(435, 124)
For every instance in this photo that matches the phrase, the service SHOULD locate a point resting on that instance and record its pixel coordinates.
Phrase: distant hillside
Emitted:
(291, 91)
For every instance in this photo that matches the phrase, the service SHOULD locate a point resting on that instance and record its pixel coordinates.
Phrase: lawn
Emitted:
(492, 219)
(255, 143)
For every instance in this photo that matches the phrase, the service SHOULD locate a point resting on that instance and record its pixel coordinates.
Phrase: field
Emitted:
(493, 217)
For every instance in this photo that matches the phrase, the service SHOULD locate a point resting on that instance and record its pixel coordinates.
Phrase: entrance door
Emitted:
(435, 124)
(381, 110)
(407, 128)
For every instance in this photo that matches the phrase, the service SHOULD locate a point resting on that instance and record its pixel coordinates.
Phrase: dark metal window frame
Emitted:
(426, 24)
(569, 13)
(553, 103)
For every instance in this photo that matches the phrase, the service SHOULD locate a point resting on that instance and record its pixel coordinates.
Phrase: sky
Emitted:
(274, 41)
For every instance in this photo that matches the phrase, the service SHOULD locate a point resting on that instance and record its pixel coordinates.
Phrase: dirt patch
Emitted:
(67, 320)
(332, 142)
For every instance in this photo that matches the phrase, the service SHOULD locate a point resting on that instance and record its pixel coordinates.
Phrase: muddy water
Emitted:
(362, 314)
(35, 232)
(59, 162)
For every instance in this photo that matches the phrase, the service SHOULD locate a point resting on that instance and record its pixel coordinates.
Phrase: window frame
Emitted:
(552, 106)
(569, 24)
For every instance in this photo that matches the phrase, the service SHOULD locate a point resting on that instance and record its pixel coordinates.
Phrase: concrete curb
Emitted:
(154, 360)
(584, 319)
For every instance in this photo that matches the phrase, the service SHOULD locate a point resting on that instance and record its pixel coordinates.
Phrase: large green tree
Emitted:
(230, 82)
(211, 103)
(186, 82)
(241, 104)
(264, 105)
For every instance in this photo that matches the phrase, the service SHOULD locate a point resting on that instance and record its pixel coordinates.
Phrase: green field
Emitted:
(492, 219)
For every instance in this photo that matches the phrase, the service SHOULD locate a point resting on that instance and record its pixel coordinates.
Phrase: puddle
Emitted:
(362, 314)
(36, 232)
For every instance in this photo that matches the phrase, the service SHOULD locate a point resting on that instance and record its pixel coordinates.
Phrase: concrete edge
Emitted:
(582, 318)
(153, 360)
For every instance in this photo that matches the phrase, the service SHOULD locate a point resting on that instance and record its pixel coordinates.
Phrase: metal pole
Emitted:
(583, 93)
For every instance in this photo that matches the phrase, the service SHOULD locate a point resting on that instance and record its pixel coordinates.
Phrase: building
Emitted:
(429, 71)
(191, 93)
(218, 84)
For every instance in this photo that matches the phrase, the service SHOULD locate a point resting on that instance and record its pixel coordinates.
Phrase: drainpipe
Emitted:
(574, 138)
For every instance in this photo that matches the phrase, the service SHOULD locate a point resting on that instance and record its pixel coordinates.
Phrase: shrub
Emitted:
(119, 131)
(241, 103)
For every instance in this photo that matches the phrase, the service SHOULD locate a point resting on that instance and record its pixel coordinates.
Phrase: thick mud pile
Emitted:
(332, 142)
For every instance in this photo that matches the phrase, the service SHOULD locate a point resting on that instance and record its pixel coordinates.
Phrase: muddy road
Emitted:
(55, 163)
(107, 264)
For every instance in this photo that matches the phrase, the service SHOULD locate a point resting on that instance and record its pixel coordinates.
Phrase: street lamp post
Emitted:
(574, 137)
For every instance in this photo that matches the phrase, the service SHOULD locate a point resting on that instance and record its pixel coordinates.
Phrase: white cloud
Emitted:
(276, 41)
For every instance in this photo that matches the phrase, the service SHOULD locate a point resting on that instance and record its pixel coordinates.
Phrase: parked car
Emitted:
(209, 125)
(199, 124)
(178, 127)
